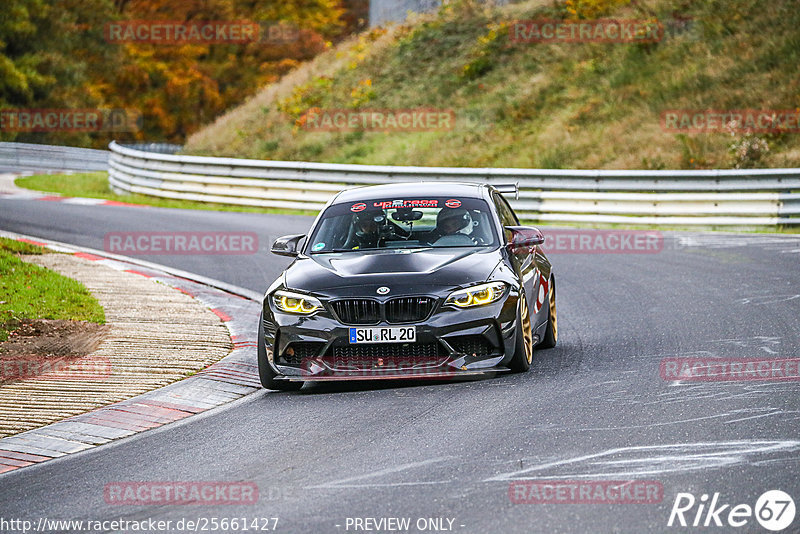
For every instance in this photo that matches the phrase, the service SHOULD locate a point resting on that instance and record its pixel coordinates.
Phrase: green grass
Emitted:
(95, 185)
(30, 292)
(89, 185)
(19, 247)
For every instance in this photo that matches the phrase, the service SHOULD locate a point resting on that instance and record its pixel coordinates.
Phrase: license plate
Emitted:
(394, 334)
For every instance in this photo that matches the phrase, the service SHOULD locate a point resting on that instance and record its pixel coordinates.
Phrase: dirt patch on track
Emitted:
(43, 346)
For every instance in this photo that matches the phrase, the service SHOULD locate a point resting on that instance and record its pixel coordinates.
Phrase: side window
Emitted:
(507, 217)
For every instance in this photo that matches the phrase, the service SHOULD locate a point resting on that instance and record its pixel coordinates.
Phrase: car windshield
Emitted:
(405, 224)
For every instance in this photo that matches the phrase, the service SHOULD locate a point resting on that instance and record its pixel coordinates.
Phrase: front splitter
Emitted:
(398, 375)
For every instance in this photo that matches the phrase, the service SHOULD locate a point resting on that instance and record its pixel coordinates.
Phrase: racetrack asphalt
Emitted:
(595, 408)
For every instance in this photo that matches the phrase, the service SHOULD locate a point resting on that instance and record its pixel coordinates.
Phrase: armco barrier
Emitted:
(712, 197)
(23, 157)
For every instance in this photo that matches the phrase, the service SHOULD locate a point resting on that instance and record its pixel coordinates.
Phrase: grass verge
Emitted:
(95, 185)
(30, 292)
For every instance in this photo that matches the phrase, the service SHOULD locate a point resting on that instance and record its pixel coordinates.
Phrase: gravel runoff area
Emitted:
(157, 335)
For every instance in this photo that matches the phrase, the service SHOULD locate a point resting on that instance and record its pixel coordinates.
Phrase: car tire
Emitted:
(265, 372)
(523, 351)
(551, 334)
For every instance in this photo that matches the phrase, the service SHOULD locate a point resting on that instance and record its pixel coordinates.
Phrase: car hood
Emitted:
(361, 273)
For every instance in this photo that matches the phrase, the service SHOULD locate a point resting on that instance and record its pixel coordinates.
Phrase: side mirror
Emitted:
(287, 245)
(523, 238)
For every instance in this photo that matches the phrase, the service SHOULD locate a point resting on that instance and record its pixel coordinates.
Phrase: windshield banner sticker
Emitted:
(386, 204)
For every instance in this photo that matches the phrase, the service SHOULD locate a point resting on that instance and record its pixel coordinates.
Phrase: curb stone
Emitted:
(231, 378)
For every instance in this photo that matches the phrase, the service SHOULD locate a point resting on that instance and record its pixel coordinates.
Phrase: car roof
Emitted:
(412, 190)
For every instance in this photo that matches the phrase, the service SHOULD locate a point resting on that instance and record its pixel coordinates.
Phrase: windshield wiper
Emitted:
(368, 249)
(339, 250)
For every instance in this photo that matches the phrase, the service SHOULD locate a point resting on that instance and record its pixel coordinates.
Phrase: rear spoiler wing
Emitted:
(508, 188)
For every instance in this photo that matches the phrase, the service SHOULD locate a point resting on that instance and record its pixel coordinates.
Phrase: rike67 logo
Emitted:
(774, 510)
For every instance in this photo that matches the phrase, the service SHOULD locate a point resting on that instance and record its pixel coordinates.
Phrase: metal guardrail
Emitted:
(23, 157)
(713, 197)
(161, 148)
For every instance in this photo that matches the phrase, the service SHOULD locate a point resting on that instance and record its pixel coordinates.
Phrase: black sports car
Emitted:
(411, 280)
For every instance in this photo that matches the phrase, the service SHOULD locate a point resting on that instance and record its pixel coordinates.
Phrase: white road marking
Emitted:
(633, 462)
(342, 483)
(767, 299)
(775, 412)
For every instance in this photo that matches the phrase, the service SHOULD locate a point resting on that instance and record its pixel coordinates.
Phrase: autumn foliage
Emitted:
(57, 55)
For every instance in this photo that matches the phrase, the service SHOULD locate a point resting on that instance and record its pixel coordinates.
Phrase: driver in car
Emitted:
(449, 224)
(368, 229)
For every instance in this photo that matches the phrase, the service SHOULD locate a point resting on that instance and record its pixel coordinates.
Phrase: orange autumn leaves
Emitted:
(59, 55)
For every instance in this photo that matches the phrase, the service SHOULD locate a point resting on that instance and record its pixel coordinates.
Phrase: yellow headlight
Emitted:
(295, 303)
(484, 296)
(477, 296)
(463, 300)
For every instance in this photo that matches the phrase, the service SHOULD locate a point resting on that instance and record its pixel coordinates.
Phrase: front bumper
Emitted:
(450, 344)
(398, 375)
